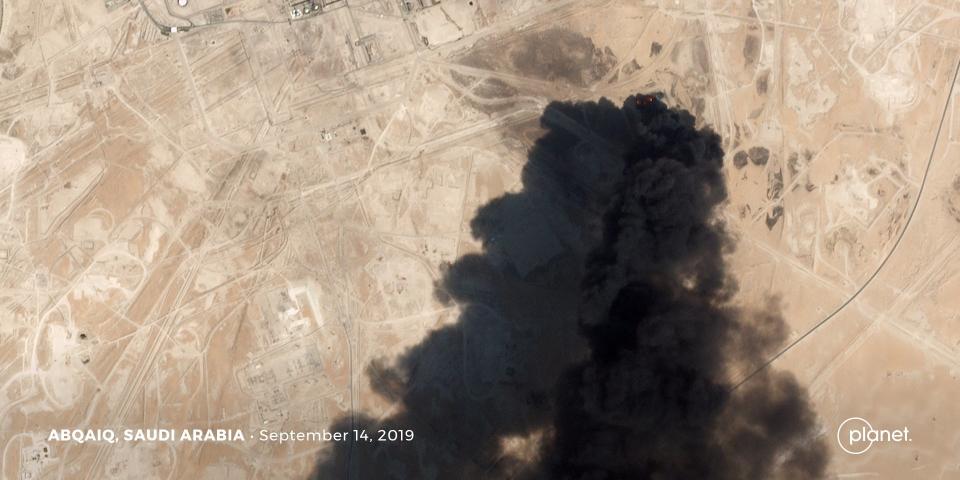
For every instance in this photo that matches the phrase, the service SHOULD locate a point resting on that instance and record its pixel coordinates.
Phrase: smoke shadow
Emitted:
(595, 333)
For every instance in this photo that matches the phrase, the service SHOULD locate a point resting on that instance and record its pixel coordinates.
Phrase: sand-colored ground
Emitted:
(222, 226)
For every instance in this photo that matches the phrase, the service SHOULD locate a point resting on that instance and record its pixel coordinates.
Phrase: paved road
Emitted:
(903, 232)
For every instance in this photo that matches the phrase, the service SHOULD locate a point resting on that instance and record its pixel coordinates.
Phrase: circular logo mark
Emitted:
(852, 437)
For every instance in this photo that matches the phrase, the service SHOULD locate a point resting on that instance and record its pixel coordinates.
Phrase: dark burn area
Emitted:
(597, 339)
(555, 54)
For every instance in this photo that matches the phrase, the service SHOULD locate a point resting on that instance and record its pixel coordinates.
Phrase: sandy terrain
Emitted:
(221, 215)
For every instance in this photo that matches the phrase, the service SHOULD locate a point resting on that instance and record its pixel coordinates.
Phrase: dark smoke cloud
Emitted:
(611, 352)
(653, 400)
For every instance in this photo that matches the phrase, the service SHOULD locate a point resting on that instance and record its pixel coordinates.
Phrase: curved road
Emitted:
(903, 232)
(167, 28)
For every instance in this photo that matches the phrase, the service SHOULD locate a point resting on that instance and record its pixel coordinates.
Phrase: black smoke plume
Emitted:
(654, 399)
(596, 339)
